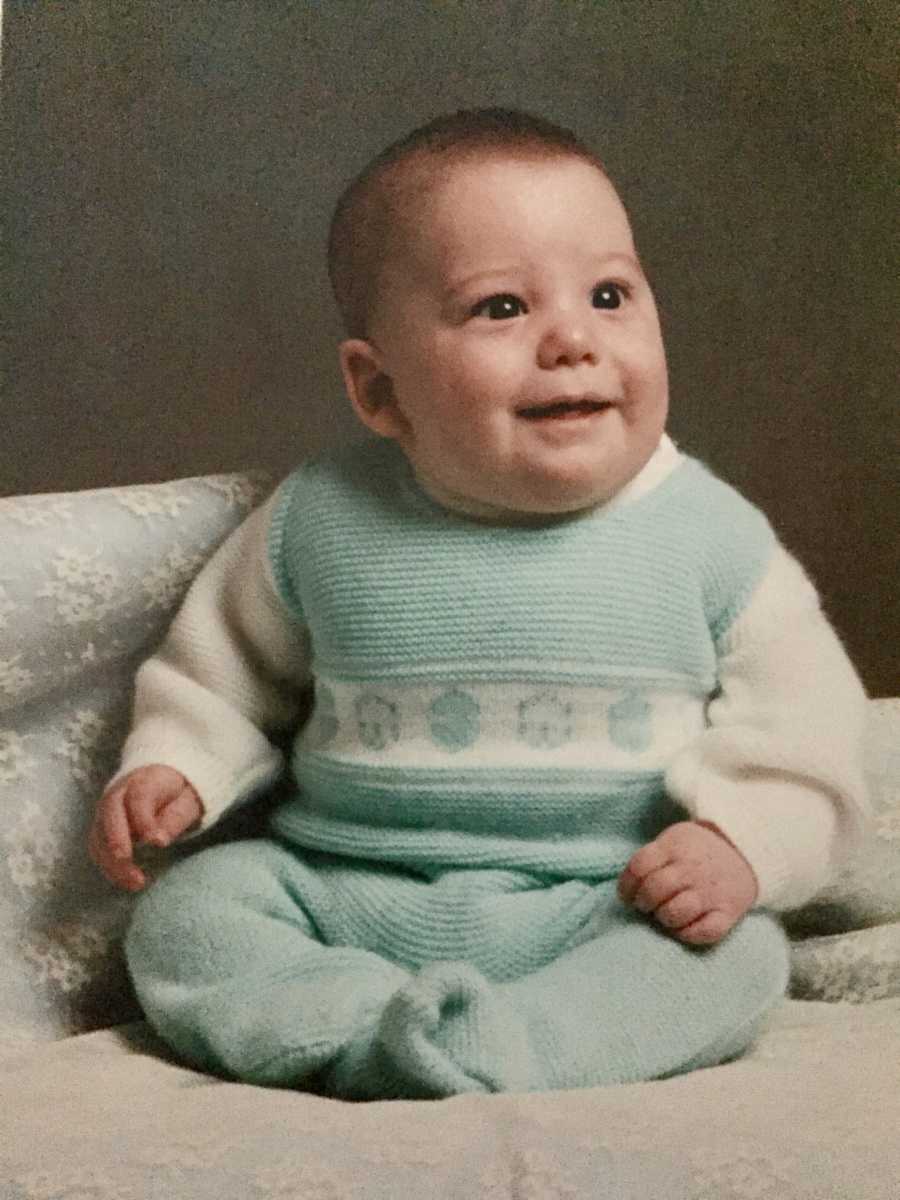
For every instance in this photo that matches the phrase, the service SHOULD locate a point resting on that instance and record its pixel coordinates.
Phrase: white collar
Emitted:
(662, 462)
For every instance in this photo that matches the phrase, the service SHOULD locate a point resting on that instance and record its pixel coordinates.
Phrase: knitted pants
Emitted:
(294, 968)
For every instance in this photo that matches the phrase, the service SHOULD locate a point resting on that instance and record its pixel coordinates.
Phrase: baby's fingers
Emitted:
(110, 844)
(706, 930)
(643, 863)
(659, 888)
(112, 825)
(177, 816)
(144, 798)
(684, 909)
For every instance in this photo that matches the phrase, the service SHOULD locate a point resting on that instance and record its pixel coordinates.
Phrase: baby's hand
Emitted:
(692, 880)
(152, 805)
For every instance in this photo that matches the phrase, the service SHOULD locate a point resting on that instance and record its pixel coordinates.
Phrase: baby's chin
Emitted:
(572, 493)
(526, 504)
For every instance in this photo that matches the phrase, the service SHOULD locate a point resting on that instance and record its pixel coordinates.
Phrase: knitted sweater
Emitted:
(545, 696)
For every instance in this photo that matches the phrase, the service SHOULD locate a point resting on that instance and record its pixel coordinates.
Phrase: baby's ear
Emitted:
(370, 389)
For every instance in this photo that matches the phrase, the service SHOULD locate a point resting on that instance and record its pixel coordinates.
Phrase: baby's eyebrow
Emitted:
(600, 264)
(627, 260)
(465, 282)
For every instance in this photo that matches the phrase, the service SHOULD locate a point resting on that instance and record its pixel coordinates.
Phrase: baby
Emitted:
(579, 724)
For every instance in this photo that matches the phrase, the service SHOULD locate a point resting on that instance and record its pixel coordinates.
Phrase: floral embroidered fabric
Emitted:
(88, 584)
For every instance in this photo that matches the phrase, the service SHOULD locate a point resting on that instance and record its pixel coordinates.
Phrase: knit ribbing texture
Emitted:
(501, 697)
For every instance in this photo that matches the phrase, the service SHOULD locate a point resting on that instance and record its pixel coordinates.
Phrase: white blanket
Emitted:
(812, 1113)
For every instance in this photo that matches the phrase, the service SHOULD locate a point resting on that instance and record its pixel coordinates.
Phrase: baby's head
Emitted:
(500, 326)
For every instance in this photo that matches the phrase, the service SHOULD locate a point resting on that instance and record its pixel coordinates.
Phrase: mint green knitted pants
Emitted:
(275, 966)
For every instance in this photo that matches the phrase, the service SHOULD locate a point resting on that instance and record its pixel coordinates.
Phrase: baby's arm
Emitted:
(777, 773)
(231, 669)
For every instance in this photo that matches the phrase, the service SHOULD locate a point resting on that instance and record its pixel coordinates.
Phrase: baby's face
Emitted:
(518, 349)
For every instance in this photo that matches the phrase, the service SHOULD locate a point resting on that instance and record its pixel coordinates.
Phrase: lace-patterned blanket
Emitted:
(88, 583)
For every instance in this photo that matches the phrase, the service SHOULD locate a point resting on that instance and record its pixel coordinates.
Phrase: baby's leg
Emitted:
(630, 1004)
(228, 967)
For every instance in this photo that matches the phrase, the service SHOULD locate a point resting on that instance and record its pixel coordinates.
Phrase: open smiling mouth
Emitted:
(564, 408)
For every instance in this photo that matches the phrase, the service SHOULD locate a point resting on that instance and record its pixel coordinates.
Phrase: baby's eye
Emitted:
(607, 295)
(500, 307)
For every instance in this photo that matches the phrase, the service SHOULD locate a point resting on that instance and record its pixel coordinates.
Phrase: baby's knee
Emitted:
(761, 954)
(243, 871)
(749, 978)
(196, 894)
(164, 910)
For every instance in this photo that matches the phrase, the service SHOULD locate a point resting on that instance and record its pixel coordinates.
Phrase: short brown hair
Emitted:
(369, 207)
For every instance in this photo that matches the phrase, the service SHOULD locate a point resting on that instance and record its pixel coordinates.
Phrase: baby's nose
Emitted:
(567, 342)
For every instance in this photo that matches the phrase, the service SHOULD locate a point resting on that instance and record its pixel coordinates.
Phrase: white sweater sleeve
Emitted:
(230, 671)
(778, 769)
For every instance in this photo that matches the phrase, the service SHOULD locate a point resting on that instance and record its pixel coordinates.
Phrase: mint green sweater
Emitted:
(504, 697)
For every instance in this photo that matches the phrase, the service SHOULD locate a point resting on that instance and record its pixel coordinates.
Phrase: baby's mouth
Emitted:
(564, 407)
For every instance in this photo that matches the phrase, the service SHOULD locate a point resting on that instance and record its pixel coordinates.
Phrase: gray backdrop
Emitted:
(172, 167)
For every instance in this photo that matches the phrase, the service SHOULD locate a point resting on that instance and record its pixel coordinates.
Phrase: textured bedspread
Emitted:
(812, 1114)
